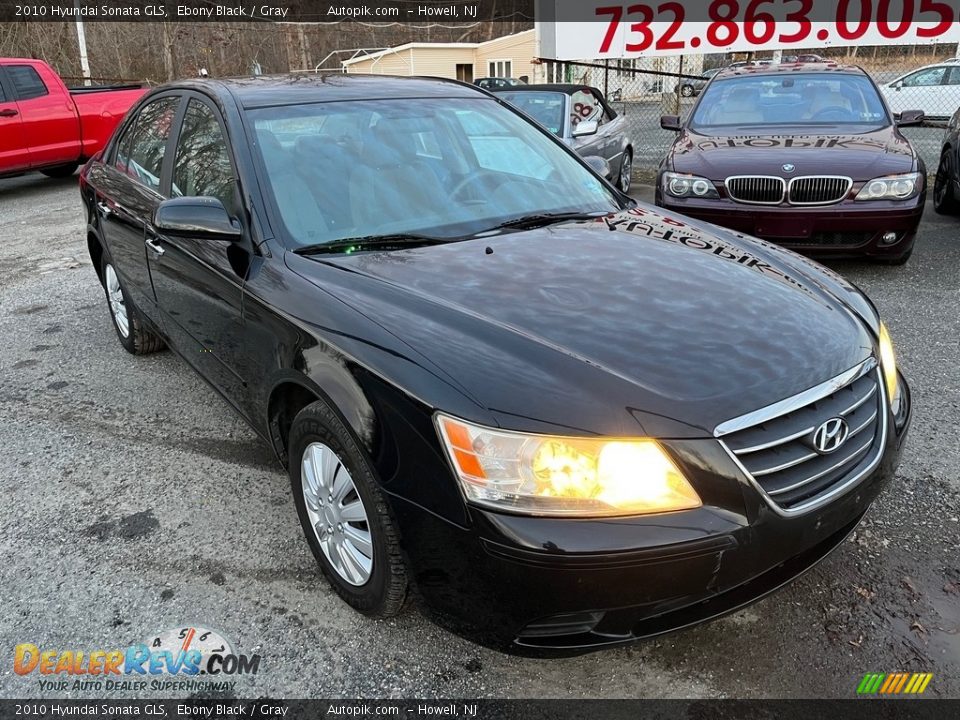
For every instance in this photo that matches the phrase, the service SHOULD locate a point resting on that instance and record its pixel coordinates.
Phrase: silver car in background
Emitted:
(581, 117)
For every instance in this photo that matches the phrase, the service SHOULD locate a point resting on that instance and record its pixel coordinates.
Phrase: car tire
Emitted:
(944, 198)
(686, 91)
(344, 515)
(128, 322)
(625, 176)
(61, 171)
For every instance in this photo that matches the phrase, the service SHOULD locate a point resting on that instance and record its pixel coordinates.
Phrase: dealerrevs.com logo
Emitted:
(197, 657)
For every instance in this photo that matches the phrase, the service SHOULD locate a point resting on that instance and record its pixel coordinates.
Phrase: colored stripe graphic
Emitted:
(894, 683)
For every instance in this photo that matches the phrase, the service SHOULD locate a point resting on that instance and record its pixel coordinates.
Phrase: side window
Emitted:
(584, 106)
(26, 82)
(933, 76)
(953, 77)
(201, 165)
(140, 151)
(3, 95)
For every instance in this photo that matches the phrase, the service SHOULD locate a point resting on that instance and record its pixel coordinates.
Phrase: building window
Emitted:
(501, 68)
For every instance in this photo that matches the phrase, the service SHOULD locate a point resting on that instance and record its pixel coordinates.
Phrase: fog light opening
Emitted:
(889, 238)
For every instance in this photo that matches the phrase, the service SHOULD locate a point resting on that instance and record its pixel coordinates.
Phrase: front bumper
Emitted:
(847, 229)
(548, 586)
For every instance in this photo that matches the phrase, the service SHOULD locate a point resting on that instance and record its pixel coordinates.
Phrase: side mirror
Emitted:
(586, 127)
(897, 85)
(910, 117)
(199, 217)
(670, 122)
(598, 164)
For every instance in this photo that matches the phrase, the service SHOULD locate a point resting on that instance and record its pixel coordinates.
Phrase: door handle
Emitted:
(8, 112)
(151, 243)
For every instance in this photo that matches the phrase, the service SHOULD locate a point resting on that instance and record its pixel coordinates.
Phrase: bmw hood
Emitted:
(641, 318)
(859, 156)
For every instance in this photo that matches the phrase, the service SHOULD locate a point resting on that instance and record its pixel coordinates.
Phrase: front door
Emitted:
(198, 281)
(50, 121)
(14, 154)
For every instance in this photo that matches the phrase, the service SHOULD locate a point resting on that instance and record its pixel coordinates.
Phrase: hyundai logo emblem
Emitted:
(789, 167)
(830, 436)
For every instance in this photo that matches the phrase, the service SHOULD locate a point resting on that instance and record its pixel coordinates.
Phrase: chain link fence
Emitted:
(909, 77)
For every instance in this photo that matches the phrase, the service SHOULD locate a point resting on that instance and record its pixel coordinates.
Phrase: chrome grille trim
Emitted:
(860, 461)
(756, 189)
(796, 402)
(859, 451)
(818, 189)
(783, 466)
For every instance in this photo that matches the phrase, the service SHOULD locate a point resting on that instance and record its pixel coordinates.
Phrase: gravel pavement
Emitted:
(135, 501)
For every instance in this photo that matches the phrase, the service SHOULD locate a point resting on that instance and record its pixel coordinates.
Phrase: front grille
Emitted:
(778, 451)
(818, 190)
(756, 189)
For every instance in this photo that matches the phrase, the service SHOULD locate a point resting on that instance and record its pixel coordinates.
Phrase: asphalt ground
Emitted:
(135, 501)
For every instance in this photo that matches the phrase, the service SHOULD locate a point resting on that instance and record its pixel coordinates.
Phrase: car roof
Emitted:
(307, 88)
(566, 88)
(783, 68)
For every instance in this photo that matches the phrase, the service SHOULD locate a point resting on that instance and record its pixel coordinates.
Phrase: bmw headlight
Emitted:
(688, 186)
(892, 187)
(549, 475)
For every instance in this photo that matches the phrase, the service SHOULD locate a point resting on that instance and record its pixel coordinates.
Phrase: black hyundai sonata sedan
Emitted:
(559, 419)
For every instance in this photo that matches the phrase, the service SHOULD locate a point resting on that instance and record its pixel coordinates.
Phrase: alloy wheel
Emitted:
(337, 514)
(941, 185)
(626, 172)
(118, 308)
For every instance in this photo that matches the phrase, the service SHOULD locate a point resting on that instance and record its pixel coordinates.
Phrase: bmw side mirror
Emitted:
(586, 127)
(670, 122)
(598, 164)
(910, 117)
(897, 85)
(198, 217)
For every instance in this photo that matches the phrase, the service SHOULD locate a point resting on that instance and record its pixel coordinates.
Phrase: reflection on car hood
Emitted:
(597, 326)
(862, 157)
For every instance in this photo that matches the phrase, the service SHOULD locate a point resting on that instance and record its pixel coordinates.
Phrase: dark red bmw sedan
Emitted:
(806, 155)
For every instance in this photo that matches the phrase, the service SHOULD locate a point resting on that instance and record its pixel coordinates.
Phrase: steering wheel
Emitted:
(834, 111)
(476, 177)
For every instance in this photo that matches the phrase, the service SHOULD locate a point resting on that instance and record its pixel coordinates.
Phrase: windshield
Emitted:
(547, 108)
(827, 99)
(444, 168)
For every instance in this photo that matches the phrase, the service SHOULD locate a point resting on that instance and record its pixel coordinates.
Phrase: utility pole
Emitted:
(82, 45)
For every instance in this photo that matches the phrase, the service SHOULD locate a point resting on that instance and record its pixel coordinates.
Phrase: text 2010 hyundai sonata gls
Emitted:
(562, 420)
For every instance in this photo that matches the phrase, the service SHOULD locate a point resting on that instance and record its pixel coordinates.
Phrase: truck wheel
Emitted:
(61, 171)
(344, 515)
(134, 335)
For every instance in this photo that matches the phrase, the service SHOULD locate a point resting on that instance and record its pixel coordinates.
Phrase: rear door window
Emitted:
(141, 150)
(27, 83)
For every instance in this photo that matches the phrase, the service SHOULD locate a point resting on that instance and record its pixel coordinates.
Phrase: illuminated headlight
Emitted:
(888, 362)
(685, 186)
(573, 477)
(894, 187)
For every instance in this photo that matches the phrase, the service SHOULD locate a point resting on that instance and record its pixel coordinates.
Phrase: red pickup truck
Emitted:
(46, 126)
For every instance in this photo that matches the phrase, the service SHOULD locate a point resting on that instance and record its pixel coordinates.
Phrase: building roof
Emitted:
(431, 46)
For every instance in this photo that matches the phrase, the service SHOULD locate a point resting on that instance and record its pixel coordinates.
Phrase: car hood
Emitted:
(595, 327)
(860, 156)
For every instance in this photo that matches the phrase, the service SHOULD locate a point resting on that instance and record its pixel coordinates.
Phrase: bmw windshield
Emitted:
(770, 102)
(439, 169)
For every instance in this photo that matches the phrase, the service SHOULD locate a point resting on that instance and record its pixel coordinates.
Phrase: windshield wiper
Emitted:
(395, 241)
(536, 220)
